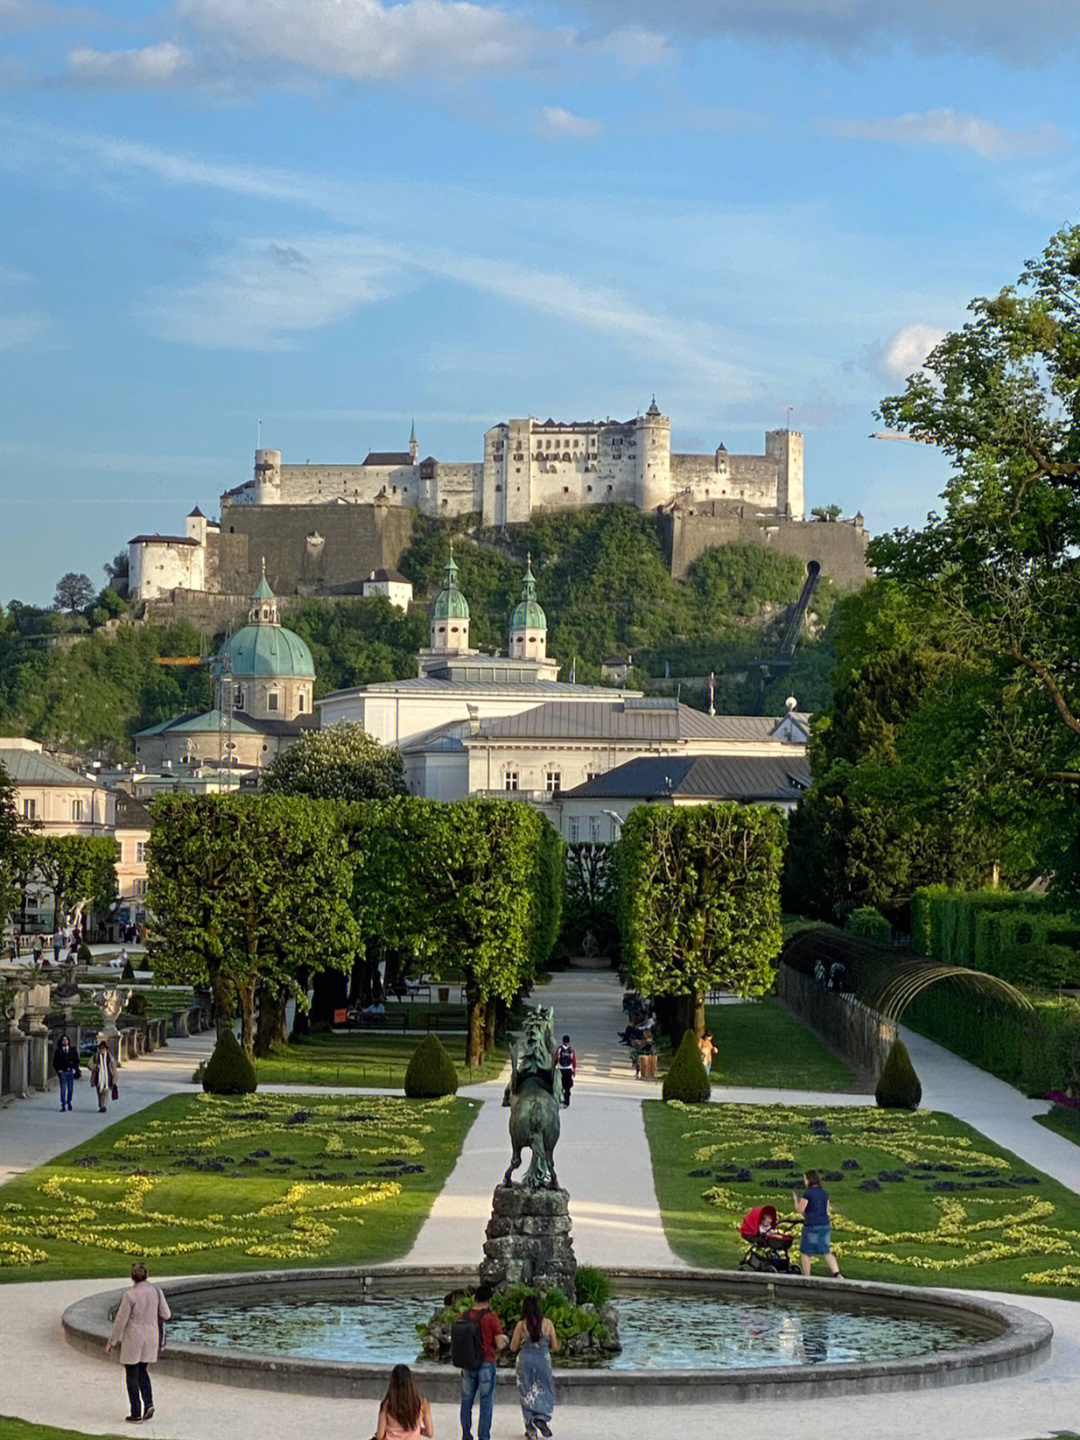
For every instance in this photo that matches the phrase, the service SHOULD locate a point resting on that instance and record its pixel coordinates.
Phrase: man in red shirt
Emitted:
(492, 1340)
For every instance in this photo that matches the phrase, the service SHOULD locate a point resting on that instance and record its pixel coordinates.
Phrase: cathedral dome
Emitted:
(264, 649)
(528, 614)
(450, 603)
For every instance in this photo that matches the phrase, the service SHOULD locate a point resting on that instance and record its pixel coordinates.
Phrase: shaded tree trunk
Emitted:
(223, 1002)
(270, 1030)
(245, 990)
(697, 1022)
(474, 1044)
(491, 1016)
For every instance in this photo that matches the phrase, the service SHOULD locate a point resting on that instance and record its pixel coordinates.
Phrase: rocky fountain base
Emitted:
(528, 1240)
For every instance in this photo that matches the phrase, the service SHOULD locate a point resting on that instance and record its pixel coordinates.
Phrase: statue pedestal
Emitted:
(528, 1240)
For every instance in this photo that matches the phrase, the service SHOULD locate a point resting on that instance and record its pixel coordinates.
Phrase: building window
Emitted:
(76, 810)
(140, 888)
(29, 809)
(300, 704)
(510, 781)
(272, 700)
(594, 829)
(552, 781)
(140, 852)
(574, 829)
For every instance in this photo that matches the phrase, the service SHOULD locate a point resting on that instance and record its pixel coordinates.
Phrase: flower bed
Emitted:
(916, 1198)
(209, 1183)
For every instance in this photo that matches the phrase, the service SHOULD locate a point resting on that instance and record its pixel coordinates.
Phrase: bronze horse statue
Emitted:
(534, 1110)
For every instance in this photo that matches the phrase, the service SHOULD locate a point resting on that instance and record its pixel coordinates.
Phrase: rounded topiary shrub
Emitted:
(229, 1071)
(128, 972)
(898, 1087)
(869, 924)
(687, 1079)
(431, 1072)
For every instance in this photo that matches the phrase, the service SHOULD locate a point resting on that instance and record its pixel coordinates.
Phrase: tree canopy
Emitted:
(73, 592)
(699, 900)
(1001, 398)
(341, 762)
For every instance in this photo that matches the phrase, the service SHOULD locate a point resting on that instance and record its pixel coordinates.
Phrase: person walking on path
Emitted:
(66, 1064)
(137, 1330)
(480, 1379)
(404, 1413)
(103, 1077)
(534, 1341)
(813, 1206)
(566, 1062)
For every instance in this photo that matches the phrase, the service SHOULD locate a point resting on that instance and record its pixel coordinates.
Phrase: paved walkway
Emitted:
(602, 1156)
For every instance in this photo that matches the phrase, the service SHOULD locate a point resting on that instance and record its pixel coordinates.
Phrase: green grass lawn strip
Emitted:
(196, 1183)
(1002, 1226)
(12, 1429)
(760, 1044)
(377, 1058)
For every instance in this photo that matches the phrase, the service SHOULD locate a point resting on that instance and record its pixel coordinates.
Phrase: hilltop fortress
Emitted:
(324, 528)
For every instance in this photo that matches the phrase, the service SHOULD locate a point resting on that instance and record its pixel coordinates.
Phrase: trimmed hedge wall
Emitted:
(1015, 935)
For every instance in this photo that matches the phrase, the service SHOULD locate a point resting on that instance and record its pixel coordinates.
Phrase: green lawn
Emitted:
(200, 1183)
(918, 1198)
(11, 1429)
(1062, 1122)
(759, 1043)
(367, 1057)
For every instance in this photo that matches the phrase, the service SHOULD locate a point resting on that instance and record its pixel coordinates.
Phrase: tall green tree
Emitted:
(73, 592)
(341, 762)
(249, 892)
(10, 837)
(699, 900)
(1001, 398)
(79, 870)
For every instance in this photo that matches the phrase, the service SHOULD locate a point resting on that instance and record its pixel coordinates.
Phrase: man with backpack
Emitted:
(566, 1064)
(475, 1341)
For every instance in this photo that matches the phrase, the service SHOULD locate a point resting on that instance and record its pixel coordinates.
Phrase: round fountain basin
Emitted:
(687, 1335)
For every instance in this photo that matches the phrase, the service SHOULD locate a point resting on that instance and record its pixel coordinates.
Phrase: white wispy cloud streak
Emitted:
(557, 123)
(984, 138)
(152, 67)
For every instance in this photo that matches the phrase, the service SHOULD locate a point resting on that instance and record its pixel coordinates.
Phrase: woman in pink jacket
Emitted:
(137, 1330)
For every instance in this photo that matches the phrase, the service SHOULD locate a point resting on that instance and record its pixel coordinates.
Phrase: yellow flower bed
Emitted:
(120, 1212)
(969, 1231)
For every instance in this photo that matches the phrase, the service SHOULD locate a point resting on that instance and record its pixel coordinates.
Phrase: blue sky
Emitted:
(334, 216)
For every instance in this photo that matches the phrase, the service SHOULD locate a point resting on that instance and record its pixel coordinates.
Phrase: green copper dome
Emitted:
(527, 613)
(263, 647)
(450, 603)
(268, 650)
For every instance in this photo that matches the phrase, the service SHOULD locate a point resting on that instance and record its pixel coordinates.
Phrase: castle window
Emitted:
(588, 489)
(553, 781)
(29, 809)
(76, 810)
(510, 780)
(498, 489)
(272, 700)
(566, 489)
(300, 704)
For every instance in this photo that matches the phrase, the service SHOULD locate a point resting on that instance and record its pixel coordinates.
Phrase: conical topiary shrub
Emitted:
(230, 1070)
(687, 1079)
(898, 1087)
(431, 1072)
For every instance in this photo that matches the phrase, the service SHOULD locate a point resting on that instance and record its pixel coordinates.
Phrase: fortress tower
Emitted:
(652, 481)
(266, 486)
(786, 448)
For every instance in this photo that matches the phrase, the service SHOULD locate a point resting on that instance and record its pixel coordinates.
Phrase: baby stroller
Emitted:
(767, 1247)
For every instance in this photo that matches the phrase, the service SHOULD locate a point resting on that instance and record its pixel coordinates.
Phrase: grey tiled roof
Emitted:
(388, 457)
(31, 767)
(702, 777)
(542, 689)
(641, 720)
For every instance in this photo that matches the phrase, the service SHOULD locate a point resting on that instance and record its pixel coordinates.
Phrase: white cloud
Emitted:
(265, 293)
(366, 40)
(636, 48)
(149, 68)
(950, 127)
(904, 352)
(558, 124)
(30, 331)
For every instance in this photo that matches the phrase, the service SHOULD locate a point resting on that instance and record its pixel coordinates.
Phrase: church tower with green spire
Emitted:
(450, 614)
(528, 623)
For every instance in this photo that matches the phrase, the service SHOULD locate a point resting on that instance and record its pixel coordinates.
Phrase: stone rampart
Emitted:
(839, 548)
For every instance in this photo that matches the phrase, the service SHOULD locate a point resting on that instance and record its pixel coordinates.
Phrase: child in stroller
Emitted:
(767, 1247)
